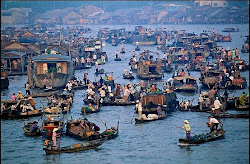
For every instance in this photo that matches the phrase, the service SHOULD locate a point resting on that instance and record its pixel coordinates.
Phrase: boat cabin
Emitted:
(149, 69)
(57, 69)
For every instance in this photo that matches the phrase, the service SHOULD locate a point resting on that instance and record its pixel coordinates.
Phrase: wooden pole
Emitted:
(29, 71)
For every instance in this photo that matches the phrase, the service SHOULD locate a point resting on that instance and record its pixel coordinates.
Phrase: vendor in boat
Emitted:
(27, 88)
(242, 99)
(138, 107)
(13, 97)
(159, 111)
(213, 124)
(32, 102)
(187, 129)
(45, 81)
(183, 72)
(34, 127)
(19, 95)
(3, 107)
(111, 97)
(200, 101)
(217, 106)
(69, 86)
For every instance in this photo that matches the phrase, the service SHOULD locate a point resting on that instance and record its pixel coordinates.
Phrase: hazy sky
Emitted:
(43, 6)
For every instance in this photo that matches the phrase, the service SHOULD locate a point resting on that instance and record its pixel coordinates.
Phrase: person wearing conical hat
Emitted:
(54, 135)
(19, 95)
(187, 128)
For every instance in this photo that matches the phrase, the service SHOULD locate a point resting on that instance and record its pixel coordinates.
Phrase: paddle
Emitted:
(132, 118)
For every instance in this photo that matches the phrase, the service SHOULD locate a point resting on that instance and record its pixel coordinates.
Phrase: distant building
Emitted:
(211, 3)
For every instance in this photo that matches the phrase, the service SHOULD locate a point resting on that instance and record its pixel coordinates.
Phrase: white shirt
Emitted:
(217, 104)
(213, 120)
(109, 89)
(200, 99)
(138, 106)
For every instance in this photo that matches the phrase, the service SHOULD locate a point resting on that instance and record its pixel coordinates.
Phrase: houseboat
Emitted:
(149, 69)
(184, 83)
(52, 70)
(167, 101)
(4, 79)
(234, 29)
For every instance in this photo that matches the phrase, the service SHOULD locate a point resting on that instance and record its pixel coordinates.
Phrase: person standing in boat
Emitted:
(187, 129)
(200, 101)
(54, 136)
(116, 54)
(138, 107)
(27, 88)
(13, 97)
(96, 67)
(213, 123)
(217, 106)
(19, 95)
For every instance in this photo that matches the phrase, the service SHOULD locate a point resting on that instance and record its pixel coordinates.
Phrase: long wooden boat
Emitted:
(137, 121)
(79, 87)
(49, 123)
(117, 59)
(27, 131)
(14, 114)
(76, 147)
(201, 138)
(43, 94)
(227, 115)
(118, 103)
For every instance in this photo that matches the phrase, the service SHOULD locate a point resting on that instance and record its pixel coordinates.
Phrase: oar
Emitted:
(104, 124)
(118, 123)
(132, 118)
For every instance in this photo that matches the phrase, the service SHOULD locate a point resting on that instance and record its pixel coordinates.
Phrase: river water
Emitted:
(154, 142)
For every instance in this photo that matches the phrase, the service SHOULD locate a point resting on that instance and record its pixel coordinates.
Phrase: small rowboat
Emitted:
(117, 59)
(201, 138)
(137, 121)
(128, 76)
(110, 133)
(88, 110)
(43, 94)
(27, 131)
(76, 147)
(231, 115)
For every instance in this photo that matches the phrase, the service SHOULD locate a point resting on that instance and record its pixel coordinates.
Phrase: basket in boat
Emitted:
(36, 111)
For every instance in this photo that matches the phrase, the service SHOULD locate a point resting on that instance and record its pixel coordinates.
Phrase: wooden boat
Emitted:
(74, 130)
(43, 94)
(149, 69)
(86, 109)
(18, 112)
(117, 59)
(184, 83)
(233, 29)
(137, 121)
(50, 122)
(201, 138)
(227, 115)
(100, 71)
(117, 103)
(128, 76)
(27, 131)
(76, 147)
(79, 87)
(110, 133)
(137, 48)
(237, 83)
